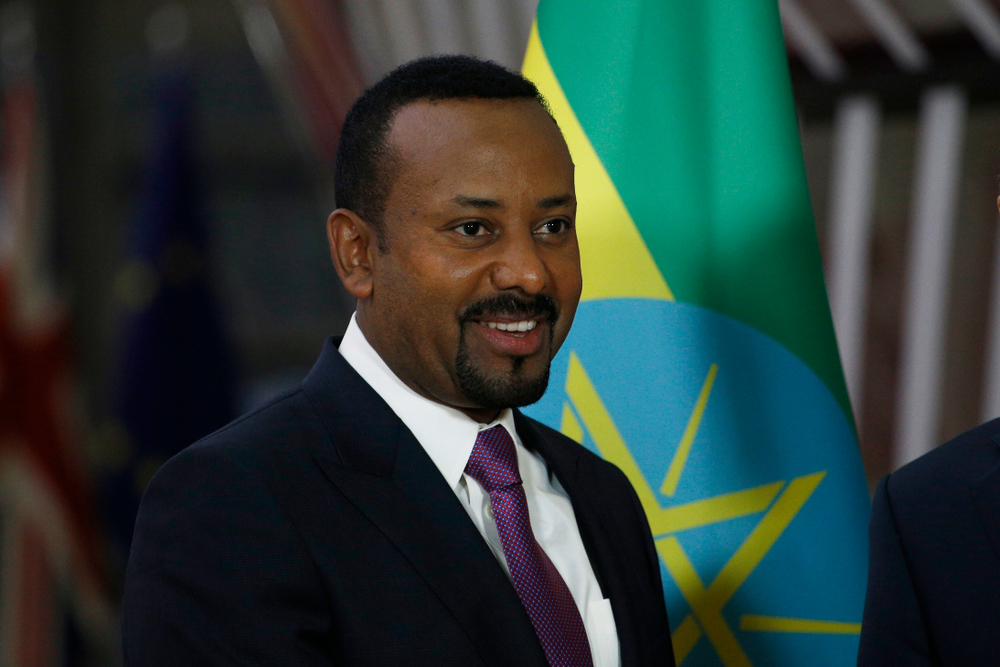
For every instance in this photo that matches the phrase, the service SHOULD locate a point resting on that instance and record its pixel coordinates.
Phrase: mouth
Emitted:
(513, 338)
(513, 328)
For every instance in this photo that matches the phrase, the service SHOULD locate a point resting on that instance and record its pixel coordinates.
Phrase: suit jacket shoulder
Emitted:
(213, 547)
(569, 445)
(316, 530)
(948, 471)
(934, 568)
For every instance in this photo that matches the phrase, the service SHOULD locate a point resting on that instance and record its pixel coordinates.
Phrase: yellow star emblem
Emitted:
(779, 502)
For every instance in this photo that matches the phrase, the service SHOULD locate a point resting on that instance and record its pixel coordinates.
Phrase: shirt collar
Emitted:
(446, 434)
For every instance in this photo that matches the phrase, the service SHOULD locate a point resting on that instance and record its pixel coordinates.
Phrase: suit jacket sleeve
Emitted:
(892, 630)
(217, 574)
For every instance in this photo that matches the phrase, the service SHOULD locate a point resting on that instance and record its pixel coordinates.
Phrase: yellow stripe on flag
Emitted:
(616, 262)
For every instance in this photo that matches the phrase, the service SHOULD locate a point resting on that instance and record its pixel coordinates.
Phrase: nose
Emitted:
(519, 265)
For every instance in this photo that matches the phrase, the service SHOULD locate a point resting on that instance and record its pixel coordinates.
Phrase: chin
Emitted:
(498, 390)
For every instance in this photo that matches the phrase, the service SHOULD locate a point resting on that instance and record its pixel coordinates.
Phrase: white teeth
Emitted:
(526, 325)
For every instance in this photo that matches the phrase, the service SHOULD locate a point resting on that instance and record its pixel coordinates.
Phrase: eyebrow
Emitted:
(466, 201)
(476, 202)
(555, 202)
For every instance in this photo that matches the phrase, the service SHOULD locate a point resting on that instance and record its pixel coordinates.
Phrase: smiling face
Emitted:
(481, 278)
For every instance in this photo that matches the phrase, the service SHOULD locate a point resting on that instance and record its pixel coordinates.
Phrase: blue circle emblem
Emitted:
(747, 468)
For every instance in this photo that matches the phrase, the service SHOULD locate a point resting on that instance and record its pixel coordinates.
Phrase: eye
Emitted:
(554, 226)
(472, 228)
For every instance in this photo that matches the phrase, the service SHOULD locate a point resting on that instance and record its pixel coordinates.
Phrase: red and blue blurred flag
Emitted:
(174, 380)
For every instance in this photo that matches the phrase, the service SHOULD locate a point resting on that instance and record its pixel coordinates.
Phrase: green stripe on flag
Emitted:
(688, 105)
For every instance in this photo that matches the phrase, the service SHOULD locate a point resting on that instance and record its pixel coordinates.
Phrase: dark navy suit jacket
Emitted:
(317, 531)
(934, 574)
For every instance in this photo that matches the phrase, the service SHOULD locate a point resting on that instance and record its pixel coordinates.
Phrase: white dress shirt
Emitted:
(448, 436)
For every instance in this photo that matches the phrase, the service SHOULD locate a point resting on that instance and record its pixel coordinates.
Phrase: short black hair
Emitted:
(363, 167)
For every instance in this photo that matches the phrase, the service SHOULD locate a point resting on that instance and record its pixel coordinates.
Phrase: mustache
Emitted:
(510, 305)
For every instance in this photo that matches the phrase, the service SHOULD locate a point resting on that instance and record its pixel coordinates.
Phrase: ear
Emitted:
(352, 243)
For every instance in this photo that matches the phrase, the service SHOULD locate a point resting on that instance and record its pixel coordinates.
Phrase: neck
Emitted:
(481, 415)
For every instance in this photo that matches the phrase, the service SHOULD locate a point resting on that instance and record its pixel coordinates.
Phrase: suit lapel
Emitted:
(584, 487)
(382, 469)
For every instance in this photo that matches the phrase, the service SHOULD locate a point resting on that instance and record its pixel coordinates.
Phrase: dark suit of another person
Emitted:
(934, 578)
(317, 531)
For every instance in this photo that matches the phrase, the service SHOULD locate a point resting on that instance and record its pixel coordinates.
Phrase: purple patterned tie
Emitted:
(542, 591)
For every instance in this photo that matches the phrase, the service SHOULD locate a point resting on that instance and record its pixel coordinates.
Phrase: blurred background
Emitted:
(164, 183)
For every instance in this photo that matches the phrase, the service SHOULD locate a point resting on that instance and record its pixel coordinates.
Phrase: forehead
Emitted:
(451, 143)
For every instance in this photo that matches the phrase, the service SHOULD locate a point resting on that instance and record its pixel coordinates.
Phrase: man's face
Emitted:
(481, 280)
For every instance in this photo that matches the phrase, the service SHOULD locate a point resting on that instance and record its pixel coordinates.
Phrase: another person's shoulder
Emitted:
(953, 468)
(932, 570)
(931, 500)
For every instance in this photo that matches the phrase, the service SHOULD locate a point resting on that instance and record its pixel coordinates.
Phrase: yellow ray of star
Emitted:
(753, 622)
(684, 638)
(602, 429)
(762, 538)
(709, 615)
(707, 603)
(716, 509)
(612, 447)
(615, 259)
(669, 487)
(570, 425)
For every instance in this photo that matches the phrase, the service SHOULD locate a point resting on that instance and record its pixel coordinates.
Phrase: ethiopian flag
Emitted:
(703, 360)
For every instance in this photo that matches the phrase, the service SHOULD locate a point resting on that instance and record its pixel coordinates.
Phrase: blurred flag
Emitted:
(304, 49)
(703, 360)
(174, 378)
(54, 606)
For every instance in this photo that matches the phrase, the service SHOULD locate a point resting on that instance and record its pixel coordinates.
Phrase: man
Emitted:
(395, 509)
(934, 574)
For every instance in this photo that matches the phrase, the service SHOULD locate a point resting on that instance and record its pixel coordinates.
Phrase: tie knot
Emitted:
(494, 460)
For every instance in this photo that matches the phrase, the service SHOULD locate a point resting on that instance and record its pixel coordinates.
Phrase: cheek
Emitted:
(569, 287)
(445, 272)
(397, 299)
(428, 294)
(575, 289)
(565, 270)
(445, 280)
(566, 315)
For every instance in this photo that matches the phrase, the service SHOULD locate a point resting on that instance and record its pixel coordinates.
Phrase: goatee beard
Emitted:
(510, 390)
